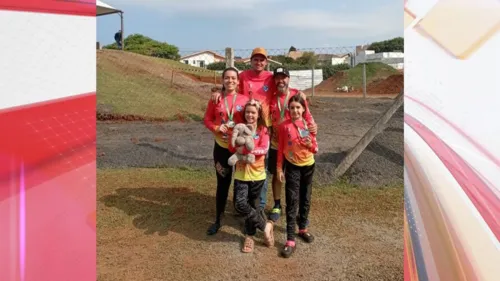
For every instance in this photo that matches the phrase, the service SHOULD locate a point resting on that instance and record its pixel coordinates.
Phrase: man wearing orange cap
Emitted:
(258, 83)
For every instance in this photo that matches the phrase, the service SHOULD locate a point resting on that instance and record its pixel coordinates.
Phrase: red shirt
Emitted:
(257, 170)
(216, 115)
(275, 114)
(260, 87)
(291, 147)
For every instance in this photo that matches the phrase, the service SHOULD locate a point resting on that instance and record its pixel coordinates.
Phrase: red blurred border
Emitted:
(66, 7)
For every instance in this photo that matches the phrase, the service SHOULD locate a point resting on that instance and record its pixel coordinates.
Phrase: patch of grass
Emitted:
(143, 94)
(374, 203)
(374, 71)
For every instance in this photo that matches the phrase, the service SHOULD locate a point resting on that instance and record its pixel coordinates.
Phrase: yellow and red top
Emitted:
(255, 171)
(291, 145)
(260, 87)
(220, 113)
(279, 112)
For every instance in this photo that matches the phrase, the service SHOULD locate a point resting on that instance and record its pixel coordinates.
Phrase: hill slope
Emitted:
(142, 86)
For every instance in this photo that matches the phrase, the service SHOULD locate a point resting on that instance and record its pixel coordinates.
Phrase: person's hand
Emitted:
(313, 128)
(302, 95)
(223, 128)
(307, 142)
(215, 97)
(281, 176)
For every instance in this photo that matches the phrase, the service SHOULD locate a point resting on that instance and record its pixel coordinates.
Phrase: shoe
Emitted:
(306, 236)
(289, 248)
(213, 229)
(275, 214)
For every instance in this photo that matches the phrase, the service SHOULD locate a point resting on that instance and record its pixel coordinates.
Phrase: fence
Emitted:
(137, 87)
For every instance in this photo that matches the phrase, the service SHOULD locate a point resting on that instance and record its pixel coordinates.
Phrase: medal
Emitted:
(302, 132)
(230, 123)
(282, 111)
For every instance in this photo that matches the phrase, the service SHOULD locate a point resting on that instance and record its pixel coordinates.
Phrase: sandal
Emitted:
(269, 234)
(248, 245)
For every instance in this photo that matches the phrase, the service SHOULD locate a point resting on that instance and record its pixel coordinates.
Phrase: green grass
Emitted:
(374, 71)
(181, 66)
(144, 94)
(375, 202)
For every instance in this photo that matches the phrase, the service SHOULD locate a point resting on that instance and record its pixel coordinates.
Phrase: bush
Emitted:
(395, 44)
(330, 70)
(144, 45)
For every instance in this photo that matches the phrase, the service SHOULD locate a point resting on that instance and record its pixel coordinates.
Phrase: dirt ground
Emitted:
(342, 122)
(151, 225)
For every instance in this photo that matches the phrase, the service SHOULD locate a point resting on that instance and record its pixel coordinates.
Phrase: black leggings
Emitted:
(247, 203)
(298, 189)
(224, 174)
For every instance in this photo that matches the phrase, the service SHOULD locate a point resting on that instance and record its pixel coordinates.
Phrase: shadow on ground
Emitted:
(180, 210)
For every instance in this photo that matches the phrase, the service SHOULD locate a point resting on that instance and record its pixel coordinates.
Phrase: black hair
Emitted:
(224, 73)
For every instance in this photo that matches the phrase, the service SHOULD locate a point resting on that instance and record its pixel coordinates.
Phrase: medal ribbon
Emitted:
(282, 111)
(298, 129)
(230, 115)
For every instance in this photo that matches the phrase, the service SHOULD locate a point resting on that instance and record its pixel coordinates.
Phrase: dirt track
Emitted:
(342, 122)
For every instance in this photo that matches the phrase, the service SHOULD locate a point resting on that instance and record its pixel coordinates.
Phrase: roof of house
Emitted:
(201, 52)
(295, 54)
(323, 57)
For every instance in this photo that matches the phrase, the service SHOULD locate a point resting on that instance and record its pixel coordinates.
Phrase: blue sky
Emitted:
(194, 25)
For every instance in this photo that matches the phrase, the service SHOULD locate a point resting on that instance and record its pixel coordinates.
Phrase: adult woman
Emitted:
(220, 118)
(296, 149)
(249, 179)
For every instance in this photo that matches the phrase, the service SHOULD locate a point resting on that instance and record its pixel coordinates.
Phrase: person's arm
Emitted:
(314, 144)
(209, 118)
(262, 146)
(281, 148)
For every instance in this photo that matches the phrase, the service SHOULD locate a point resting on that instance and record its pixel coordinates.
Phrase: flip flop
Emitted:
(248, 245)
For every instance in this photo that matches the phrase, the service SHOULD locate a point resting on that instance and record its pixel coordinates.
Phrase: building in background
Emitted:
(202, 59)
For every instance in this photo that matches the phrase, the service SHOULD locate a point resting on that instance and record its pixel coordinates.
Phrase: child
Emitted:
(279, 113)
(296, 149)
(249, 179)
(220, 118)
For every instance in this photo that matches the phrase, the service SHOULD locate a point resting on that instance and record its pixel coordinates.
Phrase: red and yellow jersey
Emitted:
(216, 115)
(257, 170)
(291, 147)
(260, 87)
(275, 114)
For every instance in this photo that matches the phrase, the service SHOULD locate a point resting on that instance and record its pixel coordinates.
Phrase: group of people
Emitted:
(284, 135)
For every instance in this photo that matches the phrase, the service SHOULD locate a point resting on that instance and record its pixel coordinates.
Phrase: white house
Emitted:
(202, 59)
(394, 59)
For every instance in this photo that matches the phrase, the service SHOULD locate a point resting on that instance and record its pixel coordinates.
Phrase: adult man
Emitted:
(278, 108)
(257, 83)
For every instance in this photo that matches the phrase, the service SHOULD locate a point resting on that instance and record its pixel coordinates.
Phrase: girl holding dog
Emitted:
(249, 178)
(296, 149)
(220, 119)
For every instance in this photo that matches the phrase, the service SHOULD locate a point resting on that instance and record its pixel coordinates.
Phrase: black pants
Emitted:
(224, 174)
(247, 203)
(298, 189)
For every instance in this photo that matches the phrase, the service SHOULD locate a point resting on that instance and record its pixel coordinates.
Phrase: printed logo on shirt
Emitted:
(239, 108)
(266, 88)
(256, 137)
(290, 154)
(289, 143)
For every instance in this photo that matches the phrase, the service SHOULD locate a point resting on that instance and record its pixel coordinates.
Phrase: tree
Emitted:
(395, 44)
(307, 58)
(292, 49)
(144, 45)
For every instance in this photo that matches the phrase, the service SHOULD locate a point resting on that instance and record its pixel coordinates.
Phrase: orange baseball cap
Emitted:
(259, 51)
